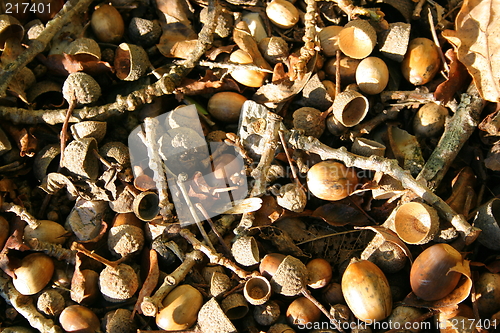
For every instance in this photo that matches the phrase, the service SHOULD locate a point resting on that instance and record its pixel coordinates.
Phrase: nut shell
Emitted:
(33, 274)
(302, 312)
(246, 251)
(282, 13)
(82, 87)
(86, 46)
(257, 290)
(372, 75)
(350, 108)
(357, 39)
(416, 223)
(107, 24)
(328, 39)
(212, 319)
(79, 158)
(10, 27)
(181, 308)
(79, 319)
(329, 180)
(226, 106)
(131, 62)
(290, 278)
(118, 284)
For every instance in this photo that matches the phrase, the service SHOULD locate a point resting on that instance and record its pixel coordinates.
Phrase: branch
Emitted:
(391, 168)
(37, 46)
(457, 132)
(24, 305)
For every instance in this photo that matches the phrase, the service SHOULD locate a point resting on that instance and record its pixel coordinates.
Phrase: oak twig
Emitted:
(456, 133)
(37, 46)
(22, 213)
(53, 250)
(24, 305)
(150, 306)
(391, 168)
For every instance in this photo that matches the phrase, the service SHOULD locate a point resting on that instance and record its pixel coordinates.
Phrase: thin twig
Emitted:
(64, 131)
(214, 229)
(436, 41)
(22, 213)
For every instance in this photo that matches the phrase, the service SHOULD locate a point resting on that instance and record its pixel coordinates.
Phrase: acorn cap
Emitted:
(350, 108)
(86, 46)
(291, 277)
(81, 87)
(416, 223)
(116, 152)
(234, 306)
(257, 290)
(357, 39)
(246, 251)
(144, 32)
(212, 319)
(46, 87)
(131, 62)
(146, 205)
(10, 27)
(79, 158)
(89, 129)
(219, 284)
(44, 158)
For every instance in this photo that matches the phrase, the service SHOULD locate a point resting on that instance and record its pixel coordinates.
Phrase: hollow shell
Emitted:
(357, 39)
(430, 275)
(421, 62)
(131, 62)
(246, 251)
(33, 274)
(416, 223)
(372, 75)
(257, 290)
(181, 308)
(282, 13)
(79, 158)
(366, 291)
(86, 46)
(350, 108)
(10, 27)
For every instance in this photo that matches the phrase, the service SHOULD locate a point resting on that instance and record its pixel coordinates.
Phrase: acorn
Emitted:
(290, 278)
(357, 39)
(226, 106)
(246, 77)
(107, 24)
(90, 287)
(328, 39)
(144, 32)
(320, 273)
(347, 69)
(431, 277)
(33, 274)
(282, 13)
(367, 291)
(269, 264)
(280, 328)
(301, 312)
(421, 62)
(180, 308)
(332, 294)
(372, 75)
(329, 180)
(487, 289)
(119, 321)
(310, 120)
(126, 236)
(47, 231)
(405, 314)
(118, 284)
(79, 319)
(416, 223)
(429, 120)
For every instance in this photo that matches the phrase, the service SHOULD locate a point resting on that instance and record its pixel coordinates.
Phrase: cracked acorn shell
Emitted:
(430, 275)
(366, 291)
(357, 39)
(416, 223)
(131, 62)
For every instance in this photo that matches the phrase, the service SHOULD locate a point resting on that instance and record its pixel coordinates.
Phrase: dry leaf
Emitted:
(339, 214)
(65, 64)
(150, 282)
(458, 79)
(478, 46)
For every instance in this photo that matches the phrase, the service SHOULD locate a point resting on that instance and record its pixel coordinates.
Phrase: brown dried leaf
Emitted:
(391, 236)
(339, 214)
(458, 79)
(65, 64)
(78, 281)
(150, 282)
(491, 123)
(24, 139)
(177, 40)
(477, 44)
(214, 53)
(492, 162)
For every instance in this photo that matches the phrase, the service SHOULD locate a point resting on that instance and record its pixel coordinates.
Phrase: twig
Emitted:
(368, 126)
(64, 131)
(24, 306)
(307, 294)
(351, 10)
(337, 73)
(22, 213)
(247, 43)
(436, 41)
(53, 250)
(232, 67)
(391, 168)
(456, 133)
(214, 257)
(412, 96)
(418, 9)
(214, 229)
(37, 46)
(307, 51)
(91, 254)
(151, 305)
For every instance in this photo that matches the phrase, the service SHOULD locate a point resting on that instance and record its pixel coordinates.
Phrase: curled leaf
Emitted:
(338, 214)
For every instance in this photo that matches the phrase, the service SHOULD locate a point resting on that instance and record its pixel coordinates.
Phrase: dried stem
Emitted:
(307, 294)
(307, 51)
(411, 96)
(351, 10)
(456, 133)
(271, 143)
(22, 213)
(70, 9)
(214, 257)
(289, 159)
(53, 250)
(24, 305)
(64, 130)
(367, 126)
(214, 229)
(436, 41)
(81, 249)
(150, 306)
(392, 168)
(232, 67)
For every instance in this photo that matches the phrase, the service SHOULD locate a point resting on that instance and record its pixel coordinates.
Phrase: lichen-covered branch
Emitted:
(391, 168)
(24, 305)
(456, 133)
(71, 8)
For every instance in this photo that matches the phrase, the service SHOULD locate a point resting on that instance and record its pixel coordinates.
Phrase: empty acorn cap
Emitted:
(235, 306)
(219, 284)
(79, 158)
(44, 158)
(487, 218)
(145, 205)
(84, 46)
(350, 108)
(89, 129)
(50, 89)
(257, 290)
(246, 251)
(367, 147)
(291, 277)
(131, 62)
(212, 319)
(10, 27)
(357, 39)
(116, 152)
(81, 87)
(416, 223)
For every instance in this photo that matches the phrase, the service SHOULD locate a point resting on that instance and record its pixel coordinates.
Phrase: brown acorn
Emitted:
(107, 24)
